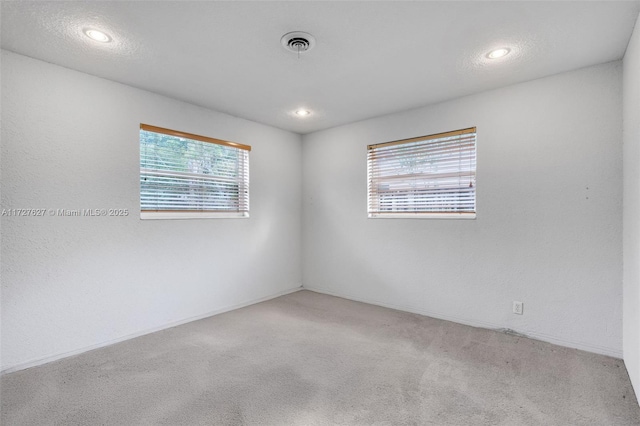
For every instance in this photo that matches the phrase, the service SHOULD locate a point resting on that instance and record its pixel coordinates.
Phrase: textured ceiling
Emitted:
(371, 58)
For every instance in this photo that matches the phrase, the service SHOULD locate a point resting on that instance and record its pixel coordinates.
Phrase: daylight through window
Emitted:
(190, 176)
(428, 176)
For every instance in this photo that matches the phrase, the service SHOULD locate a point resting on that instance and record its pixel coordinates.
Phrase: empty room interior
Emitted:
(320, 213)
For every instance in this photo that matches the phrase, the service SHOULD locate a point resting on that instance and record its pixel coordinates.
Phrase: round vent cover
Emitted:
(298, 41)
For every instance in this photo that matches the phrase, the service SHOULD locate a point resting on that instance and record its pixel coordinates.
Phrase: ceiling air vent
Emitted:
(298, 42)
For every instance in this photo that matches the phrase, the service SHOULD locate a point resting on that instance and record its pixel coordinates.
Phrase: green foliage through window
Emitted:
(180, 174)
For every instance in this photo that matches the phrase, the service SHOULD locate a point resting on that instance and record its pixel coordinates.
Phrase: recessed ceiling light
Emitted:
(303, 112)
(97, 36)
(498, 53)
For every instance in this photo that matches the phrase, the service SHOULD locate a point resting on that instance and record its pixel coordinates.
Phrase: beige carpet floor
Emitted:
(312, 359)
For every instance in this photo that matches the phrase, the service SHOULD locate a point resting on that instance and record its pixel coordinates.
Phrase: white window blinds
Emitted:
(426, 176)
(188, 175)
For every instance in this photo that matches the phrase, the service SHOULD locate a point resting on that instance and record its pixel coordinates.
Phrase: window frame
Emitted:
(194, 213)
(373, 213)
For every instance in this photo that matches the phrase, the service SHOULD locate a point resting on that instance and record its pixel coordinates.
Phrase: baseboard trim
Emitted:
(55, 357)
(588, 347)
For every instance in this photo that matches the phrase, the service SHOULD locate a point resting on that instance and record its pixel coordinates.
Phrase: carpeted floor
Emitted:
(312, 359)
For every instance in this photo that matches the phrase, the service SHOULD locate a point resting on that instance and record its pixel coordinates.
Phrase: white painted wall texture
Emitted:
(548, 232)
(70, 141)
(631, 210)
(549, 225)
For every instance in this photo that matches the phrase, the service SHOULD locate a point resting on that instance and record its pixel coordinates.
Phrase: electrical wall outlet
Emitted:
(518, 307)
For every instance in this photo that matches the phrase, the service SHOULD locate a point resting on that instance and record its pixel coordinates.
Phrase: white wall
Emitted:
(548, 231)
(541, 236)
(70, 140)
(631, 211)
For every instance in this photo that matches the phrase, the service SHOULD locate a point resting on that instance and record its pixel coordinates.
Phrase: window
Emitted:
(190, 176)
(428, 176)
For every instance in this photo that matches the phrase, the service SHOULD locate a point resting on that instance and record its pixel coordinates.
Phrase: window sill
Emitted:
(422, 215)
(192, 215)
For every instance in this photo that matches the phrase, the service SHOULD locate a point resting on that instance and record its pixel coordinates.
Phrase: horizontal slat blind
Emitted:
(431, 174)
(184, 174)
